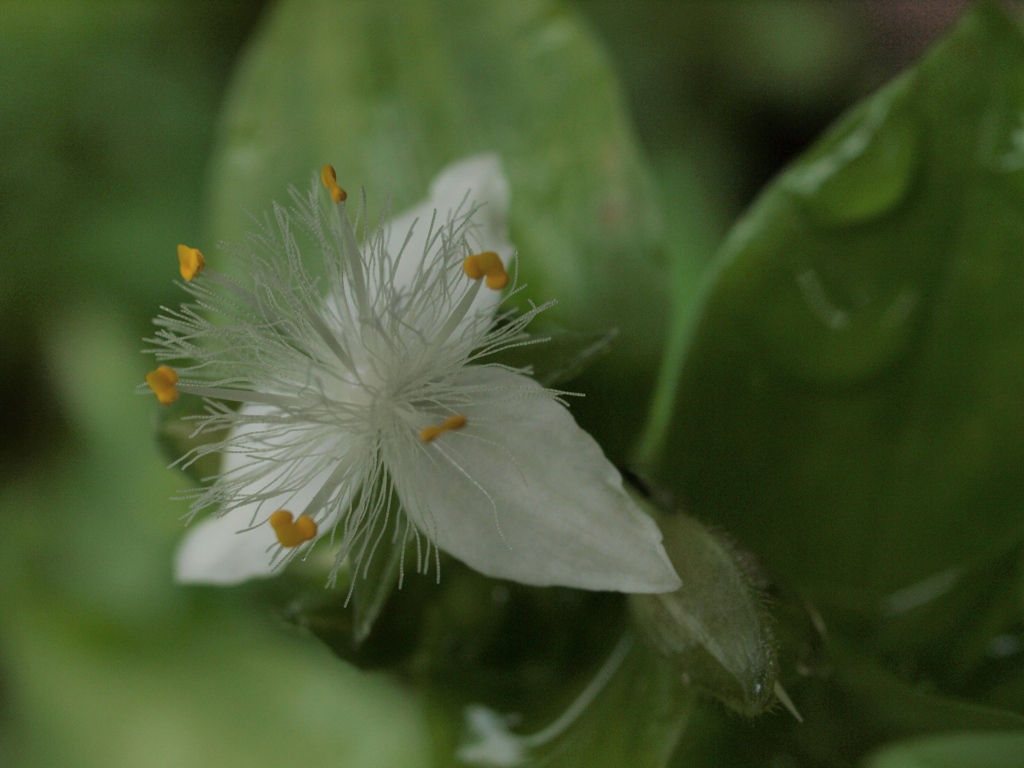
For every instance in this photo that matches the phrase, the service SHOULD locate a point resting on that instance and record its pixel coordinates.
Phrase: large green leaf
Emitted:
(961, 630)
(851, 401)
(390, 92)
(231, 692)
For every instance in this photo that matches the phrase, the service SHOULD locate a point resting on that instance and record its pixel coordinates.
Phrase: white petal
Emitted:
(563, 515)
(483, 178)
(215, 551)
(227, 549)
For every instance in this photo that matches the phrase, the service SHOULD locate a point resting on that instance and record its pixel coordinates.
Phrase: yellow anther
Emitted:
(289, 533)
(162, 382)
(330, 180)
(191, 261)
(486, 264)
(430, 434)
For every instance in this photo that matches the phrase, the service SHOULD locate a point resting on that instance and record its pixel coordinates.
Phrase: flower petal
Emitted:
(475, 181)
(522, 493)
(228, 549)
(217, 551)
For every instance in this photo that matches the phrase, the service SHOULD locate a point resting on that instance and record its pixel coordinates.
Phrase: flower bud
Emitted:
(714, 628)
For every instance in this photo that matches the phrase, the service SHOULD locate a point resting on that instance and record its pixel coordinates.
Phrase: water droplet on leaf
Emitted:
(863, 173)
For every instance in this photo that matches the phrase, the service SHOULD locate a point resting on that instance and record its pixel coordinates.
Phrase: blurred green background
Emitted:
(121, 134)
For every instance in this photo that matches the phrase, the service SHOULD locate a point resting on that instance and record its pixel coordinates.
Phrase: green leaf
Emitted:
(231, 692)
(961, 630)
(108, 119)
(863, 705)
(850, 404)
(958, 750)
(390, 92)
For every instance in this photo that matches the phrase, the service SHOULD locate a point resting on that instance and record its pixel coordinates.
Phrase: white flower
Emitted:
(367, 402)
